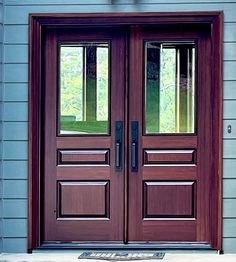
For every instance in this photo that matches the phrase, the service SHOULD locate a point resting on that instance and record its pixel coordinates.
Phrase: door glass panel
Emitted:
(84, 88)
(169, 87)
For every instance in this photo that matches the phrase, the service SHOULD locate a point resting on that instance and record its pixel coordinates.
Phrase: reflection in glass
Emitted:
(84, 85)
(169, 87)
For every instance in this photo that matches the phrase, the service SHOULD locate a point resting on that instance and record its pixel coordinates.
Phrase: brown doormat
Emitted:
(121, 256)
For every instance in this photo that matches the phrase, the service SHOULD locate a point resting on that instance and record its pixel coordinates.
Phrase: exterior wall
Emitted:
(1, 86)
(15, 96)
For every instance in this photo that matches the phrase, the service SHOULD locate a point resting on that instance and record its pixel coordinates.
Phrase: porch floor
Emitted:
(72, 257)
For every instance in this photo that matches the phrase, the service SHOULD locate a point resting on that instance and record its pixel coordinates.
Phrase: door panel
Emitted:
(168, 199)
(169, 191)
(127, 164)
(83, 99)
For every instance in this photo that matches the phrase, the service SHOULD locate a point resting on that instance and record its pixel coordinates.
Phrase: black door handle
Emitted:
(134, 146)
(118, 145)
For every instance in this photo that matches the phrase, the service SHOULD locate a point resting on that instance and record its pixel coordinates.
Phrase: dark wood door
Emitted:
(155, 188)
(170, 105)
(83, 165)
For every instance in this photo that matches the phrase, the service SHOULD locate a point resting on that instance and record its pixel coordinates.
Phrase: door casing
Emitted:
(38, 23)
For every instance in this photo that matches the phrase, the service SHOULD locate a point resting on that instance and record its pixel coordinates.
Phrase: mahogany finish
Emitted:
(121, 205)
(169, 156)
(83, 199)
(169, 199)
(71, 177)
(169, 169)
(96, 157)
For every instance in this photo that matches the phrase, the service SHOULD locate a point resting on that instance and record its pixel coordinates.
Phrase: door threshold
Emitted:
(130, 245)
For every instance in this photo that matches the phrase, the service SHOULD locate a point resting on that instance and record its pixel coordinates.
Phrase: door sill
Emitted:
(130, 245)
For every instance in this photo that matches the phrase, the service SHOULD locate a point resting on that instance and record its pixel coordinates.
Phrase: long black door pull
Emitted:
(118, 145)
(134, 146)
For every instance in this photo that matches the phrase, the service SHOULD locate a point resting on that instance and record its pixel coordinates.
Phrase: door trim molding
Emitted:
(39, 22)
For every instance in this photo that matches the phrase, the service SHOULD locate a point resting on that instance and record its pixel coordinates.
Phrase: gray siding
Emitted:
(1, 105)
(15, 97)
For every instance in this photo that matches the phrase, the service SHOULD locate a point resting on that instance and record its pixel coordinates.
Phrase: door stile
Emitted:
(118, 79)
(204, 137)
(135, 111)
(126, 135)
(49, 145)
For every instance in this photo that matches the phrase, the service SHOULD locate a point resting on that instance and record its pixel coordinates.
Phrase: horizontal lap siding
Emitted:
(1, 106)
(15, 96)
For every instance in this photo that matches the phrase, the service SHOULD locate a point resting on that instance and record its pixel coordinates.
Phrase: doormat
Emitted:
(121, 256)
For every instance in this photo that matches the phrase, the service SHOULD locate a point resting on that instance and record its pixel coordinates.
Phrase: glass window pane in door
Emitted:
(169, 87)
(84, 89)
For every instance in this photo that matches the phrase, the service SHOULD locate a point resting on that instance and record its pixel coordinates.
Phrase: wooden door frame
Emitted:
(38, 22)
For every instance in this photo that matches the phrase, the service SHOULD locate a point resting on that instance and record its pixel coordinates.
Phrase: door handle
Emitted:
(118, 145)
(134, 146)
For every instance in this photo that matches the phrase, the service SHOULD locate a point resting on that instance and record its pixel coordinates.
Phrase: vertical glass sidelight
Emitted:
(169, 87)
(84, 88)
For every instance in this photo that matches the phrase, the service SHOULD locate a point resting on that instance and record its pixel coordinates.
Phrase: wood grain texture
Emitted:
(170, 156)
(169, 199)
(81, 149)
(83, 199)
(80, 157)
(199, 229)
(167, 230)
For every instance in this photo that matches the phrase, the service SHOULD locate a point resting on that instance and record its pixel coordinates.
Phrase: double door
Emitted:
(126, 138)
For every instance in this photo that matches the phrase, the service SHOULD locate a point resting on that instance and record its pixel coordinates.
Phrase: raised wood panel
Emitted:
(169, 156)
(83, 199)
(169, 199)
(81, 157)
